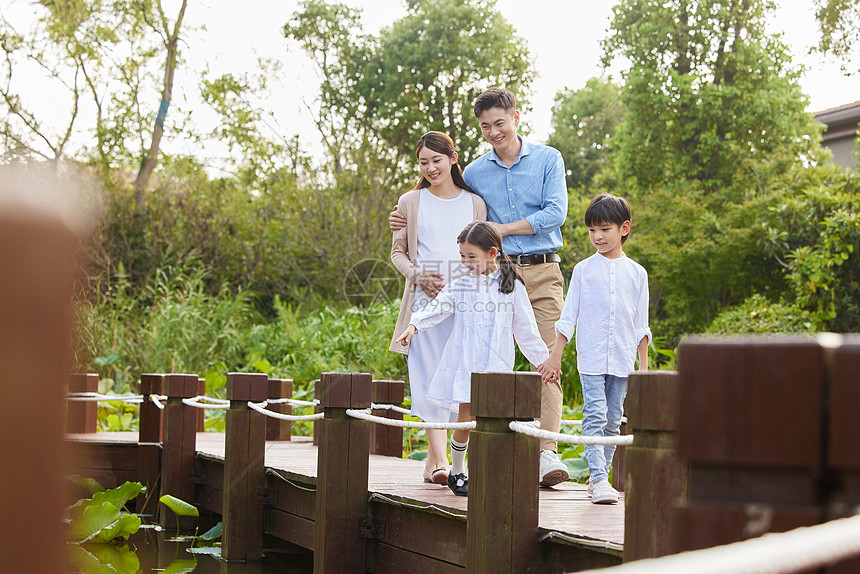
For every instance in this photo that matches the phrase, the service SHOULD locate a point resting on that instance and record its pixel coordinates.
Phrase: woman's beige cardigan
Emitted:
(404, 250)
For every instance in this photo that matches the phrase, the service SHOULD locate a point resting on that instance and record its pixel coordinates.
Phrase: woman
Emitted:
(427, 254)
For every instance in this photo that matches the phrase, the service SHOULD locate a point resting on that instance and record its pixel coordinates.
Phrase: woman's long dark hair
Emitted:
(440, 143)
(481, 234)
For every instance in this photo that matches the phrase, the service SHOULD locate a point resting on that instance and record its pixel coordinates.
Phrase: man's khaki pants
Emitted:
(545, 286)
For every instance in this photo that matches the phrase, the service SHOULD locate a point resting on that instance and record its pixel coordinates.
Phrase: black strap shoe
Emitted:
(459, 484)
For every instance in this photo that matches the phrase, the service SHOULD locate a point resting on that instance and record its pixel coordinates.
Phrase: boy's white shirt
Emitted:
(607, 307)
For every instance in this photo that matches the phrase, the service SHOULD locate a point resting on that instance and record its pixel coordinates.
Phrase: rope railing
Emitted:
(98, 397)
(156, 400)
(364, 414)
(261, 408)
(620, 440)
(197, 404)
(294, 402)
(798, 550)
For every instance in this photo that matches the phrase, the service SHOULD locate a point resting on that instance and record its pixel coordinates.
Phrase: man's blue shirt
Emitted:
(533, 188)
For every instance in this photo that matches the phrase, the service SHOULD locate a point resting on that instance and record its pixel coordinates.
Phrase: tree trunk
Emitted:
(148, 165)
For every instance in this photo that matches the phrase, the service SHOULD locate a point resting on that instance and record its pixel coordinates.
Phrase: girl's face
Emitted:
(436, 166)
(478, 261)
(606, 237)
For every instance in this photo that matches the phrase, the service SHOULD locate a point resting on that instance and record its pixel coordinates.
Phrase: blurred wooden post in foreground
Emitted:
(149, 438)
(37, 266)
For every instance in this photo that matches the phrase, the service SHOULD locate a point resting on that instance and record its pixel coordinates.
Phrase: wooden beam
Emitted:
(82, 416)
(502, 525)
(387, 440)
(179, 448)
(277, 429)
(342, 469)
(244, 470)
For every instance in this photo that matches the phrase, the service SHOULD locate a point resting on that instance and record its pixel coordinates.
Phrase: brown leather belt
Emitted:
(524, 260)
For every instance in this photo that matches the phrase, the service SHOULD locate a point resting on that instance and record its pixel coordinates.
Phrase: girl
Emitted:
(426, 254)
(490, 308)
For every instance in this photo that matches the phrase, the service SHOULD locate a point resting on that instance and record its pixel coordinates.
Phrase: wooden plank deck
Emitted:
(566, 508)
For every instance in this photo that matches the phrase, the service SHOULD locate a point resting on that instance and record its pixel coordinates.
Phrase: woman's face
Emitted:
(435, 166)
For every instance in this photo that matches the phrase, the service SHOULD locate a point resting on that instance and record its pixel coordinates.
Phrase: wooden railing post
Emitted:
(82, 415)
(201, 413)
(317, 428)
(37, 263)
(149, 439)
(277, 429)
(244, 469)
(843, 461)
(384, 439)
(502, 524)
(342, 468)
(179, 450)
(751, 425)
(656, 476)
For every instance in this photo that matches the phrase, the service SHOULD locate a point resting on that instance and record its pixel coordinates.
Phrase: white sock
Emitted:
(458, 456)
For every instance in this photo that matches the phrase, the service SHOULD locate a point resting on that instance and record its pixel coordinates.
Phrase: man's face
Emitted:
(499, 127)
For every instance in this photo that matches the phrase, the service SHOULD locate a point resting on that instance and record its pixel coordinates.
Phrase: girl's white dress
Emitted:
(486, 322)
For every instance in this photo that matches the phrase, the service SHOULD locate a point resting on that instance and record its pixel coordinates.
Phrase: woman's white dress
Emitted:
(439, 223)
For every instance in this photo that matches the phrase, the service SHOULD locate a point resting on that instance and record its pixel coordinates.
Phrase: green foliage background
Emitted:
(740, 219)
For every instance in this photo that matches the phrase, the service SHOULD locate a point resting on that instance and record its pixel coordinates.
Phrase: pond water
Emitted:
(152, 550)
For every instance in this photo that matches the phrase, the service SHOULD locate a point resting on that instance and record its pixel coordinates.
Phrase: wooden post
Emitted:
(751, 425)
(843, 462)
(318, 428)
(342, 467)
(201, 413)
(619, 461)
(149, 438)
(179, 448)
(37, 263)
(502, 525)
(656, 476)
(244, 470)
(384, 439)
(277, 429)
(82, 415)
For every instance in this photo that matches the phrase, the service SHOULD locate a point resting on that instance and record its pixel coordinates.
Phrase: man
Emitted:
(524, 188)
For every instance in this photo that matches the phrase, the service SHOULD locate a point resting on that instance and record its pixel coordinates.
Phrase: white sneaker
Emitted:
(552, 470)
(603, 493)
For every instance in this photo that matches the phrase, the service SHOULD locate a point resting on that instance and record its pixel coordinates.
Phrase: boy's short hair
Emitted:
(608, 208)
(496, 98)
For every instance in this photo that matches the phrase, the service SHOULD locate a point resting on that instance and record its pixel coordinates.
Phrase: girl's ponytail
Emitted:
(508, 276)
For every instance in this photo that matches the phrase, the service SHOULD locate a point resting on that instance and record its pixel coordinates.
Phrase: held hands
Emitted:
(550, 370)
(406, 335)
(396, 221)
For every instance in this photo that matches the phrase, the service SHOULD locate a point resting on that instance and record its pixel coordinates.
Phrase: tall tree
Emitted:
(839, 22)
(170, 35)
(708, 91)
(421, 73)
(583, 125)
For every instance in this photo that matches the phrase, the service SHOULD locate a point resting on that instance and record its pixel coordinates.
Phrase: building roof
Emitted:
(841, 121)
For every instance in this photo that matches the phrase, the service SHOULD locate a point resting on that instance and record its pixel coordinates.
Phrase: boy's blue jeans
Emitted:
(603, 398)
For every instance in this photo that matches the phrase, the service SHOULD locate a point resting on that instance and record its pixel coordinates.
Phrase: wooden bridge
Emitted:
(357, 511)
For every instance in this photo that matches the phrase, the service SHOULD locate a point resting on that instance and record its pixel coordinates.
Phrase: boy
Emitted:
(607, 305)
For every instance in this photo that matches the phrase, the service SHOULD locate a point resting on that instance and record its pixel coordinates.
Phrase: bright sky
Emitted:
(563, 36)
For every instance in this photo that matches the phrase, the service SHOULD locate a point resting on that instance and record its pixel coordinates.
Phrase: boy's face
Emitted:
(606, 237)
(499, 127)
